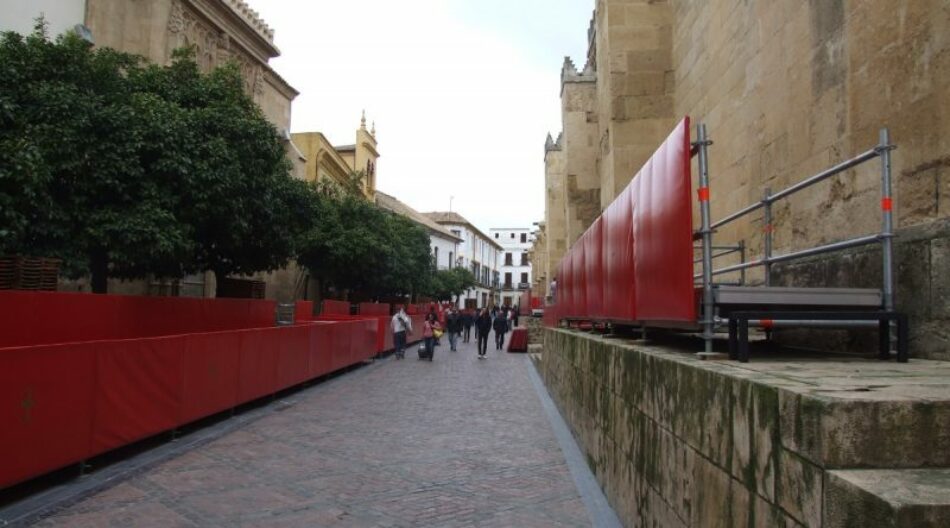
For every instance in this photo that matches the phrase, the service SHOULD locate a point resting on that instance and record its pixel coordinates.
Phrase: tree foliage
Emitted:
(450, 283)
(126, 169)
(357, 246)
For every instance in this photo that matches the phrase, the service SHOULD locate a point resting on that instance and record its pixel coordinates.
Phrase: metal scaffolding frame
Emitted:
(769, 307)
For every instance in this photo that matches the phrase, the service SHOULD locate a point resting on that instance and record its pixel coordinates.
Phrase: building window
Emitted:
(435, 254)
(524, 238)
(496, 235)
(507, 259)
(512, 235)
(451, 264)
(507, 280)
(524, 259)
(457, 233)
(524, 278)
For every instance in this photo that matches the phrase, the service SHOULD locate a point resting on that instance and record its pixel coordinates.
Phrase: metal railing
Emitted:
(884, 237)
(725, 251)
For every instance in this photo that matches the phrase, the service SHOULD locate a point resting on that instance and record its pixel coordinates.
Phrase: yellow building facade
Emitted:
(326, 162)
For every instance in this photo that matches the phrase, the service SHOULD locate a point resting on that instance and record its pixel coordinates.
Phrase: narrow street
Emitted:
(455, 442)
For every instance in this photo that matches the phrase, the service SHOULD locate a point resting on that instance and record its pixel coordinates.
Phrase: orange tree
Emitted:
(125, 169)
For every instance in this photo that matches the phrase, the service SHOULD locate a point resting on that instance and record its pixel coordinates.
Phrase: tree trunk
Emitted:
(99, 269)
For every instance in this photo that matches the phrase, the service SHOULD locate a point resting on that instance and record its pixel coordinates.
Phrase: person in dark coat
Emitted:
(453, 325)
(467, 321)
(482, 327)
(501, 327)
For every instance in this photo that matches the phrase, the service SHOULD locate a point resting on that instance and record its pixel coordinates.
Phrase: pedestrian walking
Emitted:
(402, 326)
(430, 329)
(516, 313)
(483, 325)
(453, 325)
(501, 327)
(467, 321)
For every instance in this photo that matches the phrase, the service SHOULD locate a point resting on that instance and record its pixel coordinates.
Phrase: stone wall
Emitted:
(631, 43)
(679, 442)
(580, 147)
(555, 203)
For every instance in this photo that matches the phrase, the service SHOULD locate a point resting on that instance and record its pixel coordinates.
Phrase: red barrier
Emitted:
(525, 303)
(635, 263)
(303, 311)
(257, 363)
(331, 307)
(47, 395)
(321, 361)
(211, 366)
(619, 286)
(293, 364)
(39, 318)
(578, 280)
(594, 269)
(374, 309)
(663, 233)
(139, 390)
(68, 402)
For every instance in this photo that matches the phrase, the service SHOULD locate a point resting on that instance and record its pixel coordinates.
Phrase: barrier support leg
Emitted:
(708, 314)
(887, 222)
(84, 468)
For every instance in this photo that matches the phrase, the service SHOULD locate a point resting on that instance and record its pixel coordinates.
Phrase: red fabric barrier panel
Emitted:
(139, 390)
(417, 321)
(293, 365)
(321, 360)
(374, 309)
(564, 280)
(303, 311)
(578, 280)
(519, 340)
(663, 233)
(211, 366)
(258, 363)
(525, 303)
(619, 287)
(46, 408)
(594, 269)
(331, 307)
(37, 318)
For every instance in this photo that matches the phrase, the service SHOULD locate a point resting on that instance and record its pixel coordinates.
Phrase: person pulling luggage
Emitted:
(429, 331)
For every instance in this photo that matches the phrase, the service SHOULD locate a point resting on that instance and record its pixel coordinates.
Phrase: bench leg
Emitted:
(884, 339)
(733, 329)
(903, 337)
(744, 340)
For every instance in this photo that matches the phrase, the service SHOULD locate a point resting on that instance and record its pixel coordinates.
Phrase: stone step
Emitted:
(888, 498)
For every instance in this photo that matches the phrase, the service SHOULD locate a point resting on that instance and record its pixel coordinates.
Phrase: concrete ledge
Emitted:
(677, 441)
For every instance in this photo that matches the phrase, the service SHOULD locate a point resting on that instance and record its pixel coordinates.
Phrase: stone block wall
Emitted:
(679, 442)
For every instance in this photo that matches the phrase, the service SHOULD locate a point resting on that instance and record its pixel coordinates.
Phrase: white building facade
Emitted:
(478, 253)
(514, 262)
(443, 244)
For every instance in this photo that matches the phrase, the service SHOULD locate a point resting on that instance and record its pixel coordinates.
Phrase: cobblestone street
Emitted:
(455, 442)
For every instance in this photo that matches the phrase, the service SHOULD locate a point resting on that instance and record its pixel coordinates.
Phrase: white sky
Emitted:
(463, 92)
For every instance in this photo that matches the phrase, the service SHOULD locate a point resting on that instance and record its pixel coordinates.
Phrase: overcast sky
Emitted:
(463, 92)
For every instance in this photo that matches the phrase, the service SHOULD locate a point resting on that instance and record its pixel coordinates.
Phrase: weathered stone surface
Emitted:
(799, 488)
(676, 441)
(888, 498)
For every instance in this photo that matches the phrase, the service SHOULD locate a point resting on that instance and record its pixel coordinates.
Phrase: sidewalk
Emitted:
(455, 442)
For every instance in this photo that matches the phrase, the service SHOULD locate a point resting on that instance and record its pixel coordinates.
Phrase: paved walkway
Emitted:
(455, 442)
